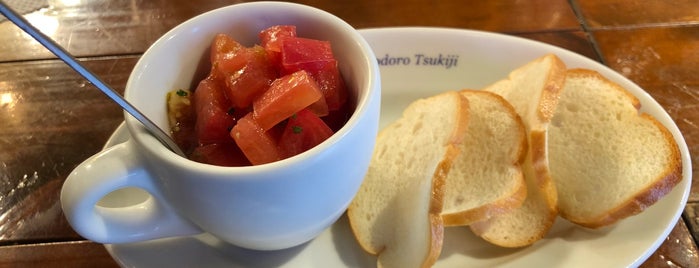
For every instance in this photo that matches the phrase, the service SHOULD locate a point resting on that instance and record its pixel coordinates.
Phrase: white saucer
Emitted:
(478, 58)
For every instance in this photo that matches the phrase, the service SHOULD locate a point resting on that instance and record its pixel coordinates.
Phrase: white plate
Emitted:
(478, 58)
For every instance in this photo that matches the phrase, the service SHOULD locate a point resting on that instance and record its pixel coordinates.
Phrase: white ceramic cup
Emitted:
(272, 206)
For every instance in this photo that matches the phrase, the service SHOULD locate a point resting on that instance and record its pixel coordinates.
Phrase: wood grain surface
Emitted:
(51, 119)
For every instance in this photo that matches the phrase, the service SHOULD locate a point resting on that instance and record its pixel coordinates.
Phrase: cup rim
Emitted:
(361, 109)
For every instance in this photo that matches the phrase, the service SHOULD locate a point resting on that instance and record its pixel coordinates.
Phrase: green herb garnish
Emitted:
(296, 129)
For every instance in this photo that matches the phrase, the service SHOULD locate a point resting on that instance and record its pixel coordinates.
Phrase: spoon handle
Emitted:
(73, 63)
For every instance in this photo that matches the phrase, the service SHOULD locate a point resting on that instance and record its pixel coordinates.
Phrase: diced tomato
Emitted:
(222, 47)
(258, 146)
(300, 50)
(328, 77)
(263, 103)
(271, 39)
(238, 113)
(220, 154)
(211, 109)
(303, 131)
(320, 107)
(276, 131)
(317, 59)
(286, 96)
(224, 57)
(246, 72)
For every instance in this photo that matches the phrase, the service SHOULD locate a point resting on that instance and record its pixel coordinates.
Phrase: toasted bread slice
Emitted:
(486, 179)
(533, 90)
(397, 212)
(608, 160)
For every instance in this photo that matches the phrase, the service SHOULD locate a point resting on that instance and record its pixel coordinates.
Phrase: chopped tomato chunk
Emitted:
(211, 110)
(223, 47)
(220, 154)
(301, 50)
(317, 59)
(246, 72)
(271, 39)
(328, 77)
(257, 145)
(320, 107)
(303, 131)
(286, 96)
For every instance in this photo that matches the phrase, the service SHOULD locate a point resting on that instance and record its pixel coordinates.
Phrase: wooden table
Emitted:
(51, 119)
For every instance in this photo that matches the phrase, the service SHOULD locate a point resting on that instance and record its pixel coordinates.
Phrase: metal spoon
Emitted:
(73, 63)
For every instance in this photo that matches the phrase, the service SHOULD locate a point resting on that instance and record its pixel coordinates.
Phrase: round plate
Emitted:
(419, 62)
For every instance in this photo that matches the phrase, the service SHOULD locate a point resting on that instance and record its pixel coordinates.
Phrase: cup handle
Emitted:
(112, 169)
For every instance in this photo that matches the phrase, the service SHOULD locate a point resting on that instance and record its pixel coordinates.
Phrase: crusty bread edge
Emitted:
(552, 89)
(538, 151)
(538, 138)
(439, 180)
(510, 201)
(538, 141)
(655, 191)
(437, 187)
(498, 207)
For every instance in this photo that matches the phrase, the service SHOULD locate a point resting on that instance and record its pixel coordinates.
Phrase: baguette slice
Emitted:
(608, 160)
(397, 212)
(533, 90)
(486, 179)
